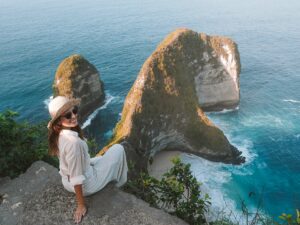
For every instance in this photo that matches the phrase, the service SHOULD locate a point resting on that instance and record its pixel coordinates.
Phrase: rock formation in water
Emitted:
(162, 111)
(76, 77)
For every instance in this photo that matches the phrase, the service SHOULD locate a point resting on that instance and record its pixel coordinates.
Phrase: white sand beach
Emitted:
(162, 163)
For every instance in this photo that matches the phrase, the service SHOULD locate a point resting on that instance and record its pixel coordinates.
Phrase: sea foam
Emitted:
(222, 111)
(47, 101)
(214, 175)
(291, 100)
(108, 99)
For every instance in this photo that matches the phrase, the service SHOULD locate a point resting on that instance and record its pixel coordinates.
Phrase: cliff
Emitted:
(162, 110)
(217, 73)
(37, 197)
(77, 78)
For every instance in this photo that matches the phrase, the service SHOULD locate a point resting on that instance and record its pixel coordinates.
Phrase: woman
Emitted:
(81, 174)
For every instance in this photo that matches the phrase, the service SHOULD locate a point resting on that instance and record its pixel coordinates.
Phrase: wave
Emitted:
(267, 121)
(297, 136)
(47, 101)
(223, 111)
(245, 146)
(291, 100)
(108, 100)
(214, 175)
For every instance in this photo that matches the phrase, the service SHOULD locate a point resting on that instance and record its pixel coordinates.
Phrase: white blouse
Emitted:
(74, 159)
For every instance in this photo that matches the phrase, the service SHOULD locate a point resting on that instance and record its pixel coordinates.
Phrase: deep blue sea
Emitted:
(118, 36)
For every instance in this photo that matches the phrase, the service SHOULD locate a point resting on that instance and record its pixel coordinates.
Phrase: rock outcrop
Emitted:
(77, 78)
(162, 111)
(38, 197)
(217, 70)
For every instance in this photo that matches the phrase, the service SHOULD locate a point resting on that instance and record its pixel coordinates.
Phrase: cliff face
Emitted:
(217, 73)
(76, 77)
(162, 109)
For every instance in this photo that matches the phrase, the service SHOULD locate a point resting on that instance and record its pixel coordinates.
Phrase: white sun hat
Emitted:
(59, 105)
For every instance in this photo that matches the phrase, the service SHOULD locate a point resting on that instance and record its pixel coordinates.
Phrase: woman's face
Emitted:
(69, 118)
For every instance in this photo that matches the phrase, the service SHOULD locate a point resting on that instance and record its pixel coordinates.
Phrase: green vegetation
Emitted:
(21, 144)
(290, 219)
(178, 192)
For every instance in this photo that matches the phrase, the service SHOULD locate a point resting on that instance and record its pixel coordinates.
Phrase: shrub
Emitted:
(21, 144)
(178, 192)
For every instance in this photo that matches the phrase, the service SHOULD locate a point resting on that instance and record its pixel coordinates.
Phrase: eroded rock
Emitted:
(77, 78)
(217, 73)
(162, 111)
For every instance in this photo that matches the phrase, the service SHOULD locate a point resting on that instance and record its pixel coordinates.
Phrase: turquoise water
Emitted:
(118, 36)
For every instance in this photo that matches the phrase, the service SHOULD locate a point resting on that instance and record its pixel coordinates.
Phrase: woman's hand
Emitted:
(81, 208)
(79, 213)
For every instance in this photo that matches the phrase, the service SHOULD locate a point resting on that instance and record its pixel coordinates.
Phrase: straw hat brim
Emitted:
(64, 108)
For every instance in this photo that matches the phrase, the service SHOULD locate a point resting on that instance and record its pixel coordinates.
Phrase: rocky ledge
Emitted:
(37, 197)
(162, 110)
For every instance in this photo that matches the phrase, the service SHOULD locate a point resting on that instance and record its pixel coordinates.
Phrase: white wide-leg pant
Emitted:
(112, 166)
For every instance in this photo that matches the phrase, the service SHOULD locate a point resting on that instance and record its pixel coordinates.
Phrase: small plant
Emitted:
(178, 192)
(93, 146)
(289, 219)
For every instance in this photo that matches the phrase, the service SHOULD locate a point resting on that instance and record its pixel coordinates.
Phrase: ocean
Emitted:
(118, 36)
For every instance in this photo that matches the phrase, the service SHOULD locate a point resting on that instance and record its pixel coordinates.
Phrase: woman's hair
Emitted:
(53, 135)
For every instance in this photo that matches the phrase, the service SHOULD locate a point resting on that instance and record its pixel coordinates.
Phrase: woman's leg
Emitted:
(112, 166)
(116, 153)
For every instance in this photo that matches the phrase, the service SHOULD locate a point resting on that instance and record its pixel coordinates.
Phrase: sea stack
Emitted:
(77, 78)
(162, 109)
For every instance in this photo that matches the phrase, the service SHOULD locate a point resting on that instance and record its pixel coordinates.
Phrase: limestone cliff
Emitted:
(76, 77)
(217, 71)
(162, 111)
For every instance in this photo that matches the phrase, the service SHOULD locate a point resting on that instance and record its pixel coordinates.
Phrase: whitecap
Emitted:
(297, 136)
(268, 121)
(223, 111)
(108, 99)
(245, 146)
(291, 100)
(47, 101)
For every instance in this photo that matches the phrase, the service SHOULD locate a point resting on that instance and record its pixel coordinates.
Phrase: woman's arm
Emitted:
(81, 208)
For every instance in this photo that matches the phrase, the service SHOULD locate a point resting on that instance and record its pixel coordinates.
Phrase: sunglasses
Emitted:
(68, 115)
